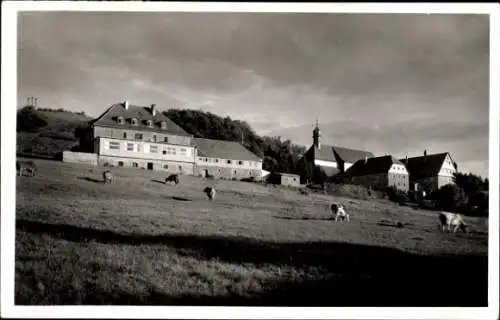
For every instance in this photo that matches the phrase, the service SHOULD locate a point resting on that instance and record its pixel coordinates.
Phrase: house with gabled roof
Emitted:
(328, 160)
(128, 135)
(430, 171)
(226, 160)
(378, 173)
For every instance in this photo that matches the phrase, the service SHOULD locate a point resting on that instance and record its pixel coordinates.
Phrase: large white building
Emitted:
(127, 135)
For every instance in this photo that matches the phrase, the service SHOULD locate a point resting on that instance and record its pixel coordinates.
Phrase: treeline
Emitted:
(278, 155)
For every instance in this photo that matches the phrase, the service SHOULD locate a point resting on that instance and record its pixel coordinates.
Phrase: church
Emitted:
(323, 161)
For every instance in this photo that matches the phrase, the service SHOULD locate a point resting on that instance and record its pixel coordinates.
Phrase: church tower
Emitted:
(317, 136)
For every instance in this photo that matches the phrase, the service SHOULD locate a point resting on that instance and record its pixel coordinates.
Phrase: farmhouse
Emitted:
(430, 171)
(134, 136)
(328, 160)
(379, 173)
(225, 159)
(284, 179)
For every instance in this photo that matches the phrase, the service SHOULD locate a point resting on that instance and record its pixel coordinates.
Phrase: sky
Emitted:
(388, 83)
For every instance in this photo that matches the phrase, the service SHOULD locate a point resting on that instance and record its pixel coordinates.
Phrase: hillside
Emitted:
(47, 132)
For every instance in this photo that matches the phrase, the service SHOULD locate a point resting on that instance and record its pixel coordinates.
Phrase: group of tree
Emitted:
(469, 195)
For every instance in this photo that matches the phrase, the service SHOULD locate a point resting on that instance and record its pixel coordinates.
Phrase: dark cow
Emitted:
(173, 178)
(210, 192)
(107, 176)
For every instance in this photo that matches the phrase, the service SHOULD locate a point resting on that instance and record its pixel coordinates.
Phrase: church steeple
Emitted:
(317, 136)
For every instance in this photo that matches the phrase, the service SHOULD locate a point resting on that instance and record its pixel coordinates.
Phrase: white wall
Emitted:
(142, 150)
(323, 163)
(398, 168)
(253, 165)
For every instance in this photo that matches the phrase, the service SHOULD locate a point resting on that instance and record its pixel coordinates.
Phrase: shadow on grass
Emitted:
(91, 179)
(360, 275)
(180, 198)
(158, 181)
(304, 218)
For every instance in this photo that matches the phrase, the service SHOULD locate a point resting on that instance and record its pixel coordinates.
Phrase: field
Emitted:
(139, 241)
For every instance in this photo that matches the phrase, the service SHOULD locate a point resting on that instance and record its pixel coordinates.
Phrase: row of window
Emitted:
(140, 137)
(114, 145)
(239, 162)
(135, 122)
(136, 165)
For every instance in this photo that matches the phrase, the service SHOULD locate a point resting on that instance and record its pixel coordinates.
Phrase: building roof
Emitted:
(110, 119)
(425, 166)
(373, 165)
(328, 152)
(222, 149)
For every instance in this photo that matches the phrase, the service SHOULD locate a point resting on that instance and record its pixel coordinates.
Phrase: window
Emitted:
(135, 164)
(149, 123)
(133, 121)
(165, 139)
(200, 159)
(114, 145)
(216, 160)
(124, 135)
(206, 159)
(154, 137)
(130, 147)
(180, 168)
(153, 149)
(164, 125)
(165, 166)
(120, 163)
(183, 151)
(138, 136)
(229, 161)
(240, 163)
(121, 120)
(164, 151)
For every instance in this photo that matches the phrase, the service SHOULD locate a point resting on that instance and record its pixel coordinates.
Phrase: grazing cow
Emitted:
(173, 178)
(107, 176)
(210, 192)
(450, 220)
(27, 171)
(338, 210)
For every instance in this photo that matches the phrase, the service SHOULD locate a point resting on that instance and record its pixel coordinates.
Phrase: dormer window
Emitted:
(149, 123)
(133, 121)
(163, 125)
(120, 120)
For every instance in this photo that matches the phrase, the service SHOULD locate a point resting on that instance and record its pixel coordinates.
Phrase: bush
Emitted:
(450, 197)
(396, 195)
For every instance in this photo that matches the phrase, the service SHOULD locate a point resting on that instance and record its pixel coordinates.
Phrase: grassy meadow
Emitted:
(139, 241)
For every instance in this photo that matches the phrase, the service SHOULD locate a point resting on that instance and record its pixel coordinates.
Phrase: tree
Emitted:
(451, 197)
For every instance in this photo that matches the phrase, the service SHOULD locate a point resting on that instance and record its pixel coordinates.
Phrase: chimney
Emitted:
(366, 159)
(425, 154)
(125, 104)
(406, 159)
(153, 109)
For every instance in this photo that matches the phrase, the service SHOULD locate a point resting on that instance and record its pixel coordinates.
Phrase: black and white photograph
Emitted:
(250, 155)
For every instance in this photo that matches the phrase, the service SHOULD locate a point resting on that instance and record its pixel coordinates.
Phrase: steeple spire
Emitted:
(316, 135)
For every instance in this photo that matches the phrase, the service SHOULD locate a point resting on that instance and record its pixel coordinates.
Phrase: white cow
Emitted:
(210, 193)
(449, 221)
(338, 210)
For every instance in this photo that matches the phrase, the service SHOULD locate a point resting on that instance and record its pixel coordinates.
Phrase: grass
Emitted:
(139, 241)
